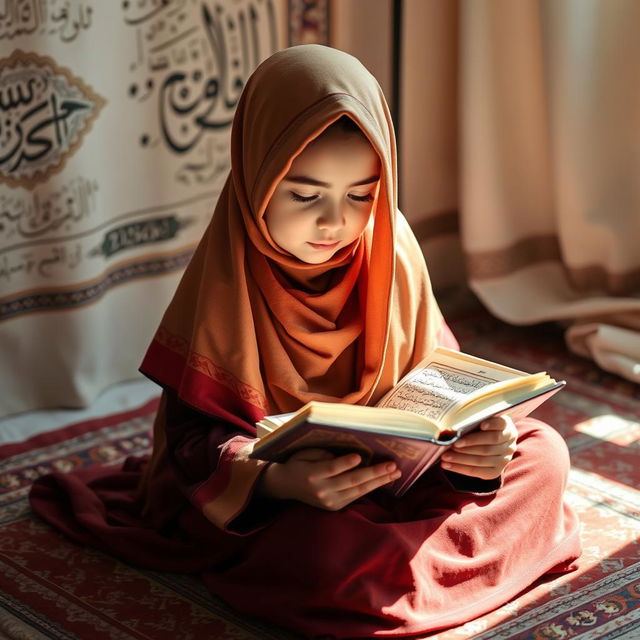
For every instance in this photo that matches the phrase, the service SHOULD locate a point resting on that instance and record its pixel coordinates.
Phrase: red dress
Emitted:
(448, 551)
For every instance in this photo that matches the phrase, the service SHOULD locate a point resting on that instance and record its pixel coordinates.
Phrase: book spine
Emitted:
(431, 455)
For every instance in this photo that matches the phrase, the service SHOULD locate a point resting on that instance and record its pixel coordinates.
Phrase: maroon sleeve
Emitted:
(209, 461)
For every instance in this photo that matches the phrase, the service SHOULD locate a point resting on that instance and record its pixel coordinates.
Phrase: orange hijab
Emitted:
(247, 333)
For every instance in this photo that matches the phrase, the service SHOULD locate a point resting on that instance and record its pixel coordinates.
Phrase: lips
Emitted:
(324, 245)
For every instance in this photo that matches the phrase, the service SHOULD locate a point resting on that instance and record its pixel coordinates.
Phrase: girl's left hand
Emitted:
(483, 453)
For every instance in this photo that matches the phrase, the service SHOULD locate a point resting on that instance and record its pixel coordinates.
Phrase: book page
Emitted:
(436, 386)
(443, 379)
(277, 420)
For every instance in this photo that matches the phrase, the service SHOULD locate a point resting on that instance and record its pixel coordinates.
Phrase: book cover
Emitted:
(412, 454)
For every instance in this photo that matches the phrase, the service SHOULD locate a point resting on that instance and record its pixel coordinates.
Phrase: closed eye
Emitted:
(366, 198)
(298, 198)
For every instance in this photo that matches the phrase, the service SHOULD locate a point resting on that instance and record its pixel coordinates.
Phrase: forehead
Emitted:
(335, 152)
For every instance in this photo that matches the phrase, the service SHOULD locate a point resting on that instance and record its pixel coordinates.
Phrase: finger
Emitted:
(488, 449)
(343, 498)
(336, 466)
(483, 438)
(496, 423)
(474, 461)
(362, 476)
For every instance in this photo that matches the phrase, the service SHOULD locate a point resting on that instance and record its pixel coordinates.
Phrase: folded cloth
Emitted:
(615, 349)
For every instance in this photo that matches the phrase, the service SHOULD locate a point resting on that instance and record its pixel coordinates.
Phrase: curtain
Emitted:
(520, 151)
(114, 127)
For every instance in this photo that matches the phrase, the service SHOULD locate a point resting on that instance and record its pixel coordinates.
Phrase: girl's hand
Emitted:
(320, 479)
(483, 453)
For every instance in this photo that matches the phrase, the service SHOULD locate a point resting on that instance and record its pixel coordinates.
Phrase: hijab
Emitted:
(247, 332)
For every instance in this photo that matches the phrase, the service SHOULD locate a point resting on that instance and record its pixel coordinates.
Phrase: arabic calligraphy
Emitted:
(64, 18)
(38, 215)
(135, 234)
(194, 57)
(46, 262)
(433, 390)
(32, 252)
(51, 260)
(44, 114)
(209, 165)
(178, 70)
(85, 293)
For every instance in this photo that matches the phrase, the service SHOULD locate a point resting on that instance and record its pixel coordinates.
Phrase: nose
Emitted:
(331, 217)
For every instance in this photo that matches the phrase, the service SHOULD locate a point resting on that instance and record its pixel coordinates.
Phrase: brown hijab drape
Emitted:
(247, 333)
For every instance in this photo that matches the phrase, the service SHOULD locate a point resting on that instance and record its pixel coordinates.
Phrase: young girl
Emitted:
(309, 285)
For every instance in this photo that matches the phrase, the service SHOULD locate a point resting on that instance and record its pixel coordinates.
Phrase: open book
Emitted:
(447, 395)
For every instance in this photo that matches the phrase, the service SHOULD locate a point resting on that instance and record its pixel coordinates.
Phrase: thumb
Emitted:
(496, 423)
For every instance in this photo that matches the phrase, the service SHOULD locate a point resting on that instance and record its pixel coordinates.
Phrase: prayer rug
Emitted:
(51, 588)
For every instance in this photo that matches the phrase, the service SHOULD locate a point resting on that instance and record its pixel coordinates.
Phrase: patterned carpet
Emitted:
(50, 588)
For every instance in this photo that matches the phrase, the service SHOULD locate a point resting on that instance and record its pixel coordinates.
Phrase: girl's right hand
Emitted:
(320, 479)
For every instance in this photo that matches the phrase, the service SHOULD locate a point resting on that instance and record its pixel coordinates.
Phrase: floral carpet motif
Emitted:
(51, 588)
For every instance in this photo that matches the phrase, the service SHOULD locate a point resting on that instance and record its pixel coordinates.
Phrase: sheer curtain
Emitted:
(114, 125)
(520, 140)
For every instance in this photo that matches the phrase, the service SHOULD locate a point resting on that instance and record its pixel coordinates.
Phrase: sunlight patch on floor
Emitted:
(612, 428)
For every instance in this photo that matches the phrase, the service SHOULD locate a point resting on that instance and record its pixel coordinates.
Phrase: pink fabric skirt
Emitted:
(382, 567)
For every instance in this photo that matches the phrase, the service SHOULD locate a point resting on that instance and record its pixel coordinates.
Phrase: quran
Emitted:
(447, 395)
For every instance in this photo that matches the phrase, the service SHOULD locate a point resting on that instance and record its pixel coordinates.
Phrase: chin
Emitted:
(313, 257)
(317, 260)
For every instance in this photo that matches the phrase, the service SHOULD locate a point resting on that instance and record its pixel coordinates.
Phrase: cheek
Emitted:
(275, 217)
(362, 218)
(284, 223)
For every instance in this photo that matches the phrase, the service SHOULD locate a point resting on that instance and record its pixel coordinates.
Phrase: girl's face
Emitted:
(325, 200)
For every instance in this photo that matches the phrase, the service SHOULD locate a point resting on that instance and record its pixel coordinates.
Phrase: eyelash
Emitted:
(298, 198)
